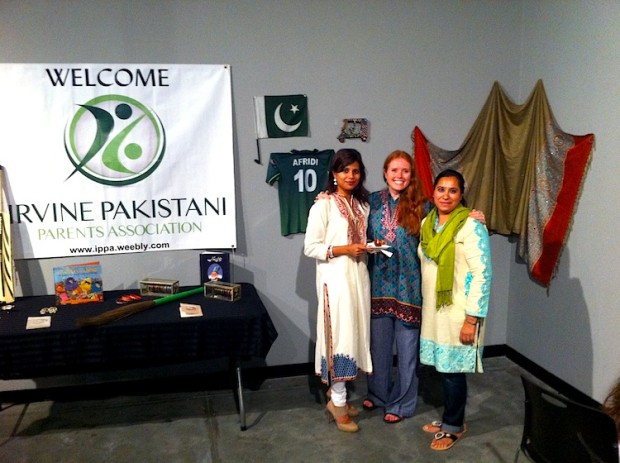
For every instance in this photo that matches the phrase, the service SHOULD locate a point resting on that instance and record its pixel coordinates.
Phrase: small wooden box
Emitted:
(158, 287)
(222, 290)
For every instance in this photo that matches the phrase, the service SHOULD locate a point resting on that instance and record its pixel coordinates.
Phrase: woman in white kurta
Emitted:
(456, 281)
(336, 238)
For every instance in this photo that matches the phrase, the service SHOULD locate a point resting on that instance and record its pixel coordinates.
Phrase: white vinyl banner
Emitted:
(117, 158)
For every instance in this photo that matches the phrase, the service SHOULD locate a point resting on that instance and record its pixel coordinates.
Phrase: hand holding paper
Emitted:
(373, 249)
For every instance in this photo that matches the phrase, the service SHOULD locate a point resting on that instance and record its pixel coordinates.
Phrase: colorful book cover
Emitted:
(78, 283)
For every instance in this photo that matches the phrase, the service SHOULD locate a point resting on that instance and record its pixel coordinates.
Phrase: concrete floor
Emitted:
(286, 423)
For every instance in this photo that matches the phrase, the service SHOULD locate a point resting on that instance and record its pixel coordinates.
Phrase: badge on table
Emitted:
(190, 310)
(34, 323)
(281, 116)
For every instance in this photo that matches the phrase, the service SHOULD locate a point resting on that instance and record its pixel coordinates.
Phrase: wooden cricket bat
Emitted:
(130, 309)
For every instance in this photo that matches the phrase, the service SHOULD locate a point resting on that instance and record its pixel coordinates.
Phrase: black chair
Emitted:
(557, 429)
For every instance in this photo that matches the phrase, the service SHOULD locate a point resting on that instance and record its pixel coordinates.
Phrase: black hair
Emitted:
(342, 159)
(459, 178)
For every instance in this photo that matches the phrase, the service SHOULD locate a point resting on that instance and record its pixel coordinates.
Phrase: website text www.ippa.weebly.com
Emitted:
(138, 247)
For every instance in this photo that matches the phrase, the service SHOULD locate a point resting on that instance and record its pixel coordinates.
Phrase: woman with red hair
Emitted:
(396, 299)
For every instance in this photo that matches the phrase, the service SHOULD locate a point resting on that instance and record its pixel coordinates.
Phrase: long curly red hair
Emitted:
(411, 202)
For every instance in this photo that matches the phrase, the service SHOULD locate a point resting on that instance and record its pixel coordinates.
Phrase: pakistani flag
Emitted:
(281, 116)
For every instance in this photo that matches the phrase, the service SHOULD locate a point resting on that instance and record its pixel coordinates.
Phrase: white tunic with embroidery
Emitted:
(439, 337)
(343, 292)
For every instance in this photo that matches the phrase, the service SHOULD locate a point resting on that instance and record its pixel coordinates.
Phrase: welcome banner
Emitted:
(117, 158)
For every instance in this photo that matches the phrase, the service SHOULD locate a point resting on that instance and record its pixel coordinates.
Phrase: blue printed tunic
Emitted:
(439, 337)
(395, 280)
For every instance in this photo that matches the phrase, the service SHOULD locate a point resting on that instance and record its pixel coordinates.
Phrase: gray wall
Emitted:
(573, 329)
(400, 64)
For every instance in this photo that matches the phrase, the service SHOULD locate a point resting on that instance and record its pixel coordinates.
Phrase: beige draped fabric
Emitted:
(521, 169)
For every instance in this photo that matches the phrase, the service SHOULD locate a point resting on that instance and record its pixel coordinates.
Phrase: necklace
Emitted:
(389, 221)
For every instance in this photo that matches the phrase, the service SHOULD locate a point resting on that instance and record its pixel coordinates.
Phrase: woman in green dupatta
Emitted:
(455, 261)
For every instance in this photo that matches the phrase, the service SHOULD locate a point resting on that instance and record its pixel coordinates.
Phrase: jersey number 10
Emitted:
(306, 180)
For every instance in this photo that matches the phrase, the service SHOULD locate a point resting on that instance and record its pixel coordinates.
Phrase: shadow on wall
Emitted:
(285, 350)
(305, 288)
(554, 329)
(29, 277)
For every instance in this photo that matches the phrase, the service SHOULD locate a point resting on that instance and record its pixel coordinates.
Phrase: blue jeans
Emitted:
(455, 398)
(396, 394)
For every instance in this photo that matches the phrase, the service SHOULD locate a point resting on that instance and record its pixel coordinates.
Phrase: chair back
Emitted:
(557, 429)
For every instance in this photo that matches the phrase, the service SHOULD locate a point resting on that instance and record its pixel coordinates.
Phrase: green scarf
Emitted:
(440, 247)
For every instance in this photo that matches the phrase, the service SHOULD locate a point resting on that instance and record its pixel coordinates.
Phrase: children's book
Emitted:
(78, 283)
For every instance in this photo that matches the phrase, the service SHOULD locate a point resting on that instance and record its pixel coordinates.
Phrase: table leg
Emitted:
(240, 397)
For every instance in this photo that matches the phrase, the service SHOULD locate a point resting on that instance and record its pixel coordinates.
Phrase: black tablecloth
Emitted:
(157, 336)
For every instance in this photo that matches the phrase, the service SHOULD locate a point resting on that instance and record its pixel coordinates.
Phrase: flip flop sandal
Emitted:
(433, 427)
(446, 435)
(396, 418)
(368, 405)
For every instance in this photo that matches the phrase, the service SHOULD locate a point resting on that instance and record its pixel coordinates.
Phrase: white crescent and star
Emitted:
(283, 126)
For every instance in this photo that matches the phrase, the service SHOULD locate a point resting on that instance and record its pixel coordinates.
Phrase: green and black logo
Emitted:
(115, 140)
